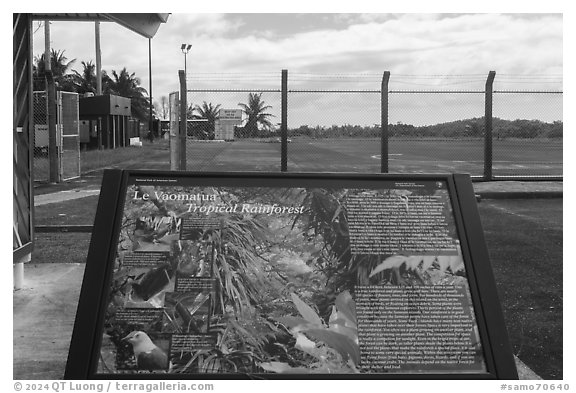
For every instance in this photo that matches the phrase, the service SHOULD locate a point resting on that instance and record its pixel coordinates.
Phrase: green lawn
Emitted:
(60, 247)
(524, 239)
(510, 157)
(150, 156)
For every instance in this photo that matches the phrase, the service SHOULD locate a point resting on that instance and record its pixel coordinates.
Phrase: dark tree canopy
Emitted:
(122, 83)
(60, 71)
(255, 110)
(209, 112)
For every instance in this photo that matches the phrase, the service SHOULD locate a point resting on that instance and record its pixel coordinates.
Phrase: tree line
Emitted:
(121, 83)
(258, 125)
(467, 128)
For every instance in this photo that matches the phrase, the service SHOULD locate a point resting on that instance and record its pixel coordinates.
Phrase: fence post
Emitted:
(183, 120)
(174, 130)
(488, 126)
(99, 131)
(384, 122)
(284, 123)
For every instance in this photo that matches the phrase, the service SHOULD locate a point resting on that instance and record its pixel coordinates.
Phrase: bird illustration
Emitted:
(148, 355)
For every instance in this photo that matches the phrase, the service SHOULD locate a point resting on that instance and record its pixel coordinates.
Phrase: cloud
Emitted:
(253, 44)
(423, 43)
(201, 26)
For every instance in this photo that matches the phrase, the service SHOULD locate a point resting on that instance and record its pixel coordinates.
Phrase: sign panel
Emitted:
(41, 135)
(230, 114)
(288, 275)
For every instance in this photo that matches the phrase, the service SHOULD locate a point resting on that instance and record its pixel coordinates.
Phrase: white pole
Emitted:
(19, 271)
(98, 59)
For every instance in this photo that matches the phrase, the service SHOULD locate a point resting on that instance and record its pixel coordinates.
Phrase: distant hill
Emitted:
(468, 128)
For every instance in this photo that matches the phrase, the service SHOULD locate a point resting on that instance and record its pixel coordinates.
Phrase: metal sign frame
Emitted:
(86, 340)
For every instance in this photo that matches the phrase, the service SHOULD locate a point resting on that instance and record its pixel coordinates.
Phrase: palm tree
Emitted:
(190, 112)
(209, 112)
(86, 81)
(128, 85)
(255, 110)
(60, 66)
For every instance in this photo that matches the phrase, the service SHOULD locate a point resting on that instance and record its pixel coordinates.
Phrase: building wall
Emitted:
(227, 120)
(224, 129)
(23, 208)
(107, 131)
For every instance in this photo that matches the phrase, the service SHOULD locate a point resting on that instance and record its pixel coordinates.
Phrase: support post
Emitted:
(98, 58)
(47, 57)
(99, 133)
(488, 125)
(19, 271)
(18, 275)
(51, 99)
(183, 120)
(284, 123)
(108, 131)
(114, 136)
(384, 122)
(150, 117)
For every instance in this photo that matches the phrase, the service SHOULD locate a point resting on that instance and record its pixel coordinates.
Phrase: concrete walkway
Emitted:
(519, 189)
(44, 313)
(64, 195)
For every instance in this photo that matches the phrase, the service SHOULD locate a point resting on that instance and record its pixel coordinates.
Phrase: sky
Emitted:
(345, 51)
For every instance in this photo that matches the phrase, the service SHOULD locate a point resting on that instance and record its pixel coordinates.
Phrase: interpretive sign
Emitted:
(288, 276)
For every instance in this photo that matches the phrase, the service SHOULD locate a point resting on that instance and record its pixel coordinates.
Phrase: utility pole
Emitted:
(185, 48)
(183, 120)
(150, 86)
(98, 59)
(47, 63)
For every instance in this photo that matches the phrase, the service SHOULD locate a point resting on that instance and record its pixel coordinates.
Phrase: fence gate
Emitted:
(69, 126)
(67, 136)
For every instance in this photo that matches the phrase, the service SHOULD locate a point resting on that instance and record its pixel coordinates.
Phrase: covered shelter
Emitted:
(105, 122)
(23, 114)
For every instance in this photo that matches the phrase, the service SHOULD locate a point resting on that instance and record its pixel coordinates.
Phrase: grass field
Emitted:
(510, 157)
(524, 239)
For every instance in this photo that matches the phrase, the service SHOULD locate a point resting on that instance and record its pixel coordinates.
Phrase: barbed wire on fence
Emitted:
(362, 82)
(337, 117)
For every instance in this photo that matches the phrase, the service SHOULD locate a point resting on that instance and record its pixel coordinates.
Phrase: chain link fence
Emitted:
(433, 124)
(527, 135)
(436, 132)
(67, 136)
(334, 123)
(218, 142)
(41, 160)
